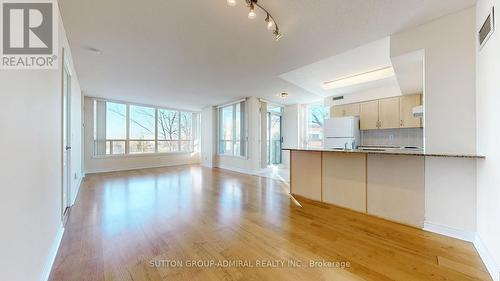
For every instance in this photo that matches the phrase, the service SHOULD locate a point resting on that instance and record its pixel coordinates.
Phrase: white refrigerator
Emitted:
(341, 133)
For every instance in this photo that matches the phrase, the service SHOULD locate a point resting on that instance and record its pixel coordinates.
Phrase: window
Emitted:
(142, 129)
(168, 130)
(121, 128)
(316, 115)
(232, 137)
(116, 130)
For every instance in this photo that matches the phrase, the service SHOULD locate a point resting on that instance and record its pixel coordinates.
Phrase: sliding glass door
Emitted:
(274, 138)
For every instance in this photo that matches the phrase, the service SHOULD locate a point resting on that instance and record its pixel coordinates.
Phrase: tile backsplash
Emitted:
(393, 137)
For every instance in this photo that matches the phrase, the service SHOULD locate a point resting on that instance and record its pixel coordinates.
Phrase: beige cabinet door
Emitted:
(407, 103)
(351, 109)
(369, 115)
(337, 111)
(389, 113)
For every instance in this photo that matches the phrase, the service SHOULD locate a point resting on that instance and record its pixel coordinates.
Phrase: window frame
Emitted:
(195, 125)
(243, 131)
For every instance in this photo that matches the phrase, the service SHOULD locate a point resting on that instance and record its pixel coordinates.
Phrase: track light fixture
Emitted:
(270, 22)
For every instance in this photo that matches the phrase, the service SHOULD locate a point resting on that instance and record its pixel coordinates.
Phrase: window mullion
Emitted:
(179, 134)
(127, 140)
(234, 130)
(156, 129)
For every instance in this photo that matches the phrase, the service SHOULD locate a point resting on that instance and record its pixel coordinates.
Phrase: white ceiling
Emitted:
(372, 56)
(193, 53)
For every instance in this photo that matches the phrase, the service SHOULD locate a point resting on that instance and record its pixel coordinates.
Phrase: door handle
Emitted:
(68, 148)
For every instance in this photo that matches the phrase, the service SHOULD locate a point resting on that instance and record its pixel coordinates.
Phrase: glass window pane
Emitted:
(118, 147)
(186, 146)
(226, 125)
(142, 123)
(116, 121)
(168, 146)
(186, 126)
(142, 147)
(168, 124)
(237, 122)
(317, 113)
(225, 147)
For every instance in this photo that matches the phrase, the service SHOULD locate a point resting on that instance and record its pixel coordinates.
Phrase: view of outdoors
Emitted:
(316, 115)
(175, 129)
(231, 128)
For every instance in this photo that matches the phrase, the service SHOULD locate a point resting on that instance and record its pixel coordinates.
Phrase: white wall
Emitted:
(129, 162)
(386, 91)
(488, 140)
(290, 130)
(31, 167)
(208, 136)
(450, 122)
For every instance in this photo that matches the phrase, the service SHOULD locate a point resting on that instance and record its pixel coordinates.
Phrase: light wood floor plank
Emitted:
(125, 222)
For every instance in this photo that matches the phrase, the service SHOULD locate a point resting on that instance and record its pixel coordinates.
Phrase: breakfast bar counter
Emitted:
(387, 183)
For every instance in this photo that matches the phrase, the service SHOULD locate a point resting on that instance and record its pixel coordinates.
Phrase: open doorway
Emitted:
(272, 159)
(274, 136)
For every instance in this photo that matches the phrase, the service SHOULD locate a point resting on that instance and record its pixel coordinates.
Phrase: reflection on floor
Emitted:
(194, 223)
(280, 173)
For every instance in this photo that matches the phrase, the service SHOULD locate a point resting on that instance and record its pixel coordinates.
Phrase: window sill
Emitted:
(136, 155)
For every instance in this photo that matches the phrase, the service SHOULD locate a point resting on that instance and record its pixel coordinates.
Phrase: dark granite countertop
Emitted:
(389, 151)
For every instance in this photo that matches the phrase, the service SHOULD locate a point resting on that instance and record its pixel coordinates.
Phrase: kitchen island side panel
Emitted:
(344, 180)
(396, 188)
(305, 174)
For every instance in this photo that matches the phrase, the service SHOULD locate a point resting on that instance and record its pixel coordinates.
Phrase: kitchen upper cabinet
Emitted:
(337, 111)
(345, 110)
(351, 109)
(388, 113)
(407, 103)
(369, 115)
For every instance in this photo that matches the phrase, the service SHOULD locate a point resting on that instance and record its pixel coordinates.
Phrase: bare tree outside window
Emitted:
(317, 113)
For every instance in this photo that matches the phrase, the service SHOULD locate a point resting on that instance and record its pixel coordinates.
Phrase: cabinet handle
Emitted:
(401, 123)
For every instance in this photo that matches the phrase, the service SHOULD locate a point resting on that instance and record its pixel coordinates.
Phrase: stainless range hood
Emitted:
(418, 111)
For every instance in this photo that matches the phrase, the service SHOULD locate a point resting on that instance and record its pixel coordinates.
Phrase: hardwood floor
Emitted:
(140, 225)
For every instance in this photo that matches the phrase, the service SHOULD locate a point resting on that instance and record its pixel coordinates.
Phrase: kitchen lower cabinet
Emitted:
(344, 180)
(395, 188)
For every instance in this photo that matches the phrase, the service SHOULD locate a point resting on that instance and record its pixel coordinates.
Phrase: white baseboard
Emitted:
(110, 170)
(77, 190)
(52, 254)
(238, 170)
(449, 231)
(487, 258)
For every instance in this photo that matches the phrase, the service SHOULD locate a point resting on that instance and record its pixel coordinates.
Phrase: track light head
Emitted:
(270, 22)
(252, 15)
(277, 34)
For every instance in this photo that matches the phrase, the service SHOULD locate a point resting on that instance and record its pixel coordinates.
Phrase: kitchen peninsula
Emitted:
(387, 183)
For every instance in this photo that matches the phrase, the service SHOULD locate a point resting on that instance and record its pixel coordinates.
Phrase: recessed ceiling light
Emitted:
(360, 78)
